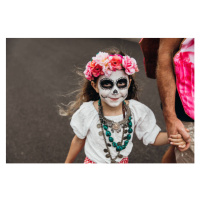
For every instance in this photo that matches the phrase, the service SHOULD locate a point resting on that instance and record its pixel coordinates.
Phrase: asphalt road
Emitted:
(38, 73)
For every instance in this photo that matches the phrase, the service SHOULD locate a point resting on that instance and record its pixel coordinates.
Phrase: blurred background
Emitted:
(41, 74)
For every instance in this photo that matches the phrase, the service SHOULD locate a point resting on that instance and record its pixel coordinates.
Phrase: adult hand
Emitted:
(174, 126)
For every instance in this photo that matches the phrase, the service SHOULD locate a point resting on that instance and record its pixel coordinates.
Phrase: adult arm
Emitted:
(167, 87)
(76, 145)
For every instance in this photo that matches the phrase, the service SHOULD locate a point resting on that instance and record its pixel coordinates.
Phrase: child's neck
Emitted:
(111, 111)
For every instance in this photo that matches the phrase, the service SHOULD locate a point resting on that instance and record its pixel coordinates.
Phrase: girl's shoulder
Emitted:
(87, 109)
(136, 104)
(88, 106)
(83, 118)
(138, 107)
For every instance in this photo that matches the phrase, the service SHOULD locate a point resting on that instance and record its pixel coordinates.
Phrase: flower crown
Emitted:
(104, 64)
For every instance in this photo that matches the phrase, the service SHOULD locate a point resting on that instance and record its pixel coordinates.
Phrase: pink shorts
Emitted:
(88, 161)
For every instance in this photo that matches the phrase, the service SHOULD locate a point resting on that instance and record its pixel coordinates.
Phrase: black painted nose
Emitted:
(115, 91)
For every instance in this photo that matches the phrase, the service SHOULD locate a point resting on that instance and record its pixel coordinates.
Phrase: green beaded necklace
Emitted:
(105, 124)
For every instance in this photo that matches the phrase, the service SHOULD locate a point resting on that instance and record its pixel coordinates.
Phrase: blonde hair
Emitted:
(87, 92)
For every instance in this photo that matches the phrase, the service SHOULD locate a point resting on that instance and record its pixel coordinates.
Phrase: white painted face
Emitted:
(114, 89)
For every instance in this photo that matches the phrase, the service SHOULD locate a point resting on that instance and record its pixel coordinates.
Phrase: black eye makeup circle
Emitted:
(106, 84)
(122, 83)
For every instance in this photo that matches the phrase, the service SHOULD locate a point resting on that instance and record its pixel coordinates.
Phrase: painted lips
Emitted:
(114, 99)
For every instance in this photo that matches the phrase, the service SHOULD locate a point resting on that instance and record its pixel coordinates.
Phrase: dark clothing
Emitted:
(180, 111)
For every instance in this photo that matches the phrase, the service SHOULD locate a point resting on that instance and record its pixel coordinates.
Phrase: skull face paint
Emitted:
(114, 89)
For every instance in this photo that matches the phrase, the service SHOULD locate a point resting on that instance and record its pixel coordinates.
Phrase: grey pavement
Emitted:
(38, 73)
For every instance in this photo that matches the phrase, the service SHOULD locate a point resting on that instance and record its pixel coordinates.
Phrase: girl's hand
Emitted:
(177, 140)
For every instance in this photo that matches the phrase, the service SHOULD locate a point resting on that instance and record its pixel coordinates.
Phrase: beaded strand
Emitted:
(110, 138)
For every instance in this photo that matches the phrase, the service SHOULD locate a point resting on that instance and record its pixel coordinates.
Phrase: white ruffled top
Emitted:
(84, 124)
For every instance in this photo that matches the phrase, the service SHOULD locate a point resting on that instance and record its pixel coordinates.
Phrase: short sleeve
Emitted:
(82, 118)
(146, 128)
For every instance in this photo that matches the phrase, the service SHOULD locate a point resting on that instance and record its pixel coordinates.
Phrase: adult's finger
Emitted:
(185, 134)
(182, 146)
(185, 148)
(175, 136)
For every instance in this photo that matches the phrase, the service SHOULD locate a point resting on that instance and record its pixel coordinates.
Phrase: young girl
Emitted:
(107, 115)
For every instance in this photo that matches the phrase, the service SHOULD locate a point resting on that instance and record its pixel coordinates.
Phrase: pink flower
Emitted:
(115, 62)
(101, 58)
(96, 69)
(88, 72)
(105, 64)
(129, 65)
(107, 70)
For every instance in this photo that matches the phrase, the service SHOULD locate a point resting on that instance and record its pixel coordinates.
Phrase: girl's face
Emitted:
(114, 89)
